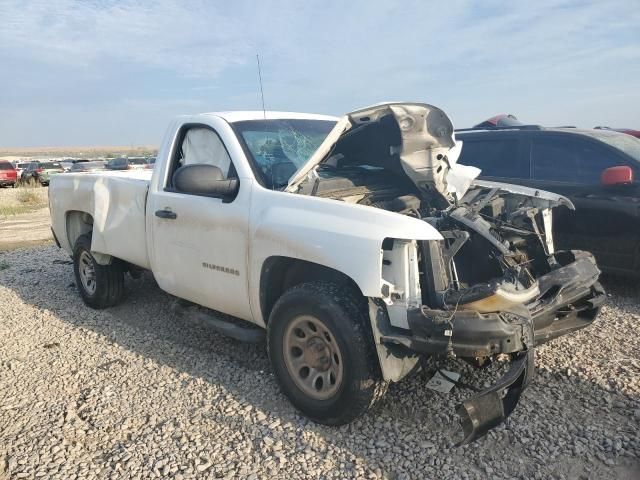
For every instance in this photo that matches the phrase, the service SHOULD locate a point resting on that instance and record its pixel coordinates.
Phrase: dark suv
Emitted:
(597, 169)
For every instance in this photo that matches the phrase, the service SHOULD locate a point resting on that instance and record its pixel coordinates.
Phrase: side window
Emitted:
(201, 145)
(569, 160)
(496, 158)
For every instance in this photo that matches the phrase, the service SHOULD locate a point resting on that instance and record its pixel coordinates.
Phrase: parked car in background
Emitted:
(118, 164)
(40, 172)
(20, 166)
(597, 169)
(68, 163)
(137, 162)
(628, 131)
(150, 162)
(8, 174)
(31, 173)
(50, 169)
(500, 120)
(87, 166)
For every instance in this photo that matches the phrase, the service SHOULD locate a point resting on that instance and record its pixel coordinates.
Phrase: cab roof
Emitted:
(242, 115)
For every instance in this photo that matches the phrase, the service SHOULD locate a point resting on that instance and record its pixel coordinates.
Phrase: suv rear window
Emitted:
(496, 157)
(6, 166)
(623, 142)
(570, 160)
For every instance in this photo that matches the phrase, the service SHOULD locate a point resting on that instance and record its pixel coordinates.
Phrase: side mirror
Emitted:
(621, 175)
(204, 179)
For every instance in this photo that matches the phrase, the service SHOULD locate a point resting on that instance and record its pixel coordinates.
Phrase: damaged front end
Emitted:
(494, 285)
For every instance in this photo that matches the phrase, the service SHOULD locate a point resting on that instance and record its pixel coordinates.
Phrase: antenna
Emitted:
(264, 112)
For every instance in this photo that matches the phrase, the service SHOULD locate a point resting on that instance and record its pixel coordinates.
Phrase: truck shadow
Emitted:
(422, 421)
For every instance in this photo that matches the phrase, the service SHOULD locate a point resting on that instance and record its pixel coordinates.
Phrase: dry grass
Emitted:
(23, 199)
(28, 196)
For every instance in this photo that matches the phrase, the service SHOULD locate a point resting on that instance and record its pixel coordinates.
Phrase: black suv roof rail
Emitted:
(516, 127)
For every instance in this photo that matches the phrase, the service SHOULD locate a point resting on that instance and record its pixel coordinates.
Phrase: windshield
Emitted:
(628, 144)
(280, 147)
(82, 166)
(6, 166)
(51, 165)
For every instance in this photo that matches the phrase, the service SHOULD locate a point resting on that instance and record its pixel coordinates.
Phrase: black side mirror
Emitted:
(204, 179)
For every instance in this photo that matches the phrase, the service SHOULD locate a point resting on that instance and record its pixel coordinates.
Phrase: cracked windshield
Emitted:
(280, 147)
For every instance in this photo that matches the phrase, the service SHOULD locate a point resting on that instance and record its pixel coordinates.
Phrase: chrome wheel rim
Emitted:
(87, 272)
(312, 357)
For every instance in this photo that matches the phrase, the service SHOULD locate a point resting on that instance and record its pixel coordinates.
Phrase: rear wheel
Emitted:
(100, 286)
(322, 353)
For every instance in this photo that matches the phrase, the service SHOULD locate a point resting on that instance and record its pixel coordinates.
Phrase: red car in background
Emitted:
(628, 131)
(8, 174)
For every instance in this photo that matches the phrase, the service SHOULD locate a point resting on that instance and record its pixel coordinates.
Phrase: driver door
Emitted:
(200, 242)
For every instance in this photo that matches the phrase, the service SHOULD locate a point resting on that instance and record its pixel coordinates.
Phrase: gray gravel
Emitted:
(137, 392)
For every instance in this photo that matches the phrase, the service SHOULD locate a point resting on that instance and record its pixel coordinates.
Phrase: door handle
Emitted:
(168, 214)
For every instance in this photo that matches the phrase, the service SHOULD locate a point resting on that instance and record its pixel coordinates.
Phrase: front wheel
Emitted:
(322, 353)
(100, 286)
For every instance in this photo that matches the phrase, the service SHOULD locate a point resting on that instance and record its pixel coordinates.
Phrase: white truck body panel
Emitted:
(343, 236)
(115, 200)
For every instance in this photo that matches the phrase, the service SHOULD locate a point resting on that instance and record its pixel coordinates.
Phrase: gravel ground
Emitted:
(137, 392)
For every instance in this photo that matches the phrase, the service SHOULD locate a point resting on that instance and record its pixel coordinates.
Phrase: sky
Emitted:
(102, 72)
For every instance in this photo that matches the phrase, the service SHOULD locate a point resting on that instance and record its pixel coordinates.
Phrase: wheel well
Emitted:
(279, 274)
(77, 223)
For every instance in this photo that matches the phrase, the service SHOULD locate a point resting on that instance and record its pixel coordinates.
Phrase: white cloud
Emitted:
(552, 61)
(191, 38)
(203, 38)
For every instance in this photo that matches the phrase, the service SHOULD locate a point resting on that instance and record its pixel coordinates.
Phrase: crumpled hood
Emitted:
(416, 139)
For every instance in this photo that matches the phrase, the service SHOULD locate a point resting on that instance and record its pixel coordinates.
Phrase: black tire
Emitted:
(109, 279)
(344, 315)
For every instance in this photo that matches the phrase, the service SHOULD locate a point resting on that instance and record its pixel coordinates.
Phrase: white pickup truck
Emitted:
(357, 243)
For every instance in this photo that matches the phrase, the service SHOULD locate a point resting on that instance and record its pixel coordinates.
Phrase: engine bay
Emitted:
(491, 235)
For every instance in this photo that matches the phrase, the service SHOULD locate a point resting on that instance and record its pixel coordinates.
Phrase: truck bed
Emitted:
(115, 199)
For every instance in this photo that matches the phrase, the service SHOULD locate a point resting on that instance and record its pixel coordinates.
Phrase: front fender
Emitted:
(339, 235)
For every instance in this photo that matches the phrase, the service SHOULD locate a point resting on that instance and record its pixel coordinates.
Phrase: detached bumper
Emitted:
(492, 406)
(471, 334)
(569, 299)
